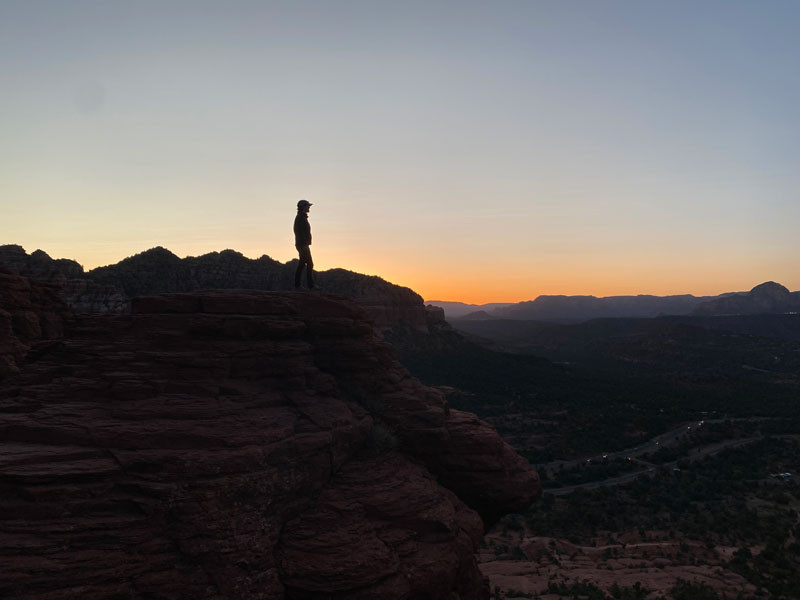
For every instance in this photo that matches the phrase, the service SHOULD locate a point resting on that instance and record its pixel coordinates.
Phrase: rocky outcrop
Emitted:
(158, 271)
(38, 265)
(434, 313)
(81, 293)
(766, 298)
(244, 445)
(387, 304)
(31, 314)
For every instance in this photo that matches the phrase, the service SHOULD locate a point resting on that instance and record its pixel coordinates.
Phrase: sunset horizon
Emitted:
(478, 295)
(473, 152)
(431, 299)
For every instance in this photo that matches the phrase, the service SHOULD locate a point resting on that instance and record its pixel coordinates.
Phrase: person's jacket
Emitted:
(302, 230)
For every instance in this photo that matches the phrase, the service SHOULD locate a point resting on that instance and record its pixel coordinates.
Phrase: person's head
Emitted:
(303, 205)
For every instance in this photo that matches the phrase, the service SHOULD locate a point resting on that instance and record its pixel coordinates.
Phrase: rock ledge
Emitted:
(238, 445)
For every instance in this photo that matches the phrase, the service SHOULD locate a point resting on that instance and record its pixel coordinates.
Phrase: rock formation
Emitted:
(235, 445)
(81, 293)
(766, 298)
(38, 265)
(158, 271)
(31, 314)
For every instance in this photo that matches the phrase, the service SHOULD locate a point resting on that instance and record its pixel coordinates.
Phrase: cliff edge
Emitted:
(237, 445)
(159, 271)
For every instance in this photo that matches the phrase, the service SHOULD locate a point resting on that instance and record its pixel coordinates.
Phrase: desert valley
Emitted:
(637, 457)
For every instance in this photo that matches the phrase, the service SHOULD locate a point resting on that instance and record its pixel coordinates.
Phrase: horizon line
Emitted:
(87, 269)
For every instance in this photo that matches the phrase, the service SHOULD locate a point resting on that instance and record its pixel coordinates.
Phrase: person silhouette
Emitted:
(302, 241)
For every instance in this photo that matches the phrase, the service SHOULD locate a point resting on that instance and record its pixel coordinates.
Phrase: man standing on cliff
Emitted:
(302, 241)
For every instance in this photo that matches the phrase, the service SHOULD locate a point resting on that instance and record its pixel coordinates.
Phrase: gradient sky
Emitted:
(473, 151)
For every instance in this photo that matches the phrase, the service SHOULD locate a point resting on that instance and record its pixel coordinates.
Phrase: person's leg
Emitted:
(300, 264)
(309, 269)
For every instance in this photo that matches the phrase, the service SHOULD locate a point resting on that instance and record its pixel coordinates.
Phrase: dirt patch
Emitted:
(523, 564)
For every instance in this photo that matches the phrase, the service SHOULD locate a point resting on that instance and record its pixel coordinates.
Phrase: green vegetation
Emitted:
(689, 590)
(577, 412)
(585, 590)
(715, 497)
(727, 500)
(620, 386)
(590, 471)
(621, 392)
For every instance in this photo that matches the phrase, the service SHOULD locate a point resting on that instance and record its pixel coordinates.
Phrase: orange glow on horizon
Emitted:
(488, 154)
(483, 288)
(482, 284)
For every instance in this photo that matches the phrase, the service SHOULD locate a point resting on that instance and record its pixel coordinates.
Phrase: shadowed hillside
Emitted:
(768, 297)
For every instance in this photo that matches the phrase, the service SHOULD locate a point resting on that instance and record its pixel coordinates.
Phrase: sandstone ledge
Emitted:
(239, 445)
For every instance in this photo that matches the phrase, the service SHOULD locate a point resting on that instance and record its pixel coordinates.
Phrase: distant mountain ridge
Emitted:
(549, 308)
(768, 297)
(456, 310)
(157, 271)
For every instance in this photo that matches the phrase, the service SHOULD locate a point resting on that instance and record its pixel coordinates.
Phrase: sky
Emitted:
(472, 151)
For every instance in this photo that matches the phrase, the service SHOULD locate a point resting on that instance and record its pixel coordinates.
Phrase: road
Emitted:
(664, 440)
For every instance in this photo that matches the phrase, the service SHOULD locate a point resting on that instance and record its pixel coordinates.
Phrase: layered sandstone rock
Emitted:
(240, 445)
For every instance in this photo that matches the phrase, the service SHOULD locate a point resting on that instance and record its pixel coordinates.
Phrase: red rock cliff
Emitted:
(240, 445)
